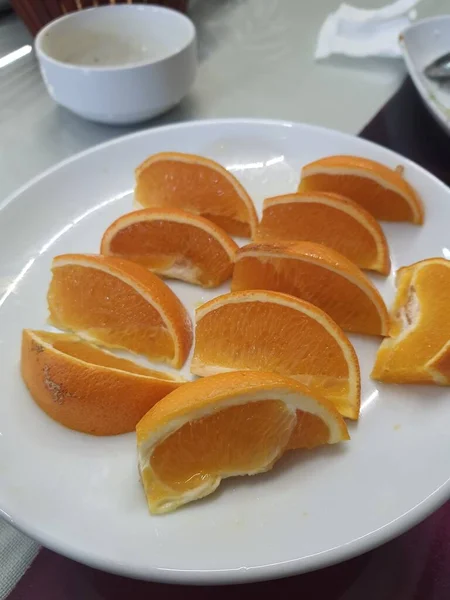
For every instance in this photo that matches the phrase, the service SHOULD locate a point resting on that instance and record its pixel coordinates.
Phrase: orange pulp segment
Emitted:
(173, 243)
(269, 331)
(222, 426)
(380, 190)
(328, 219)
(318, 275)
(85, 388)
(119, 304)
(198, 185)
(419, 349)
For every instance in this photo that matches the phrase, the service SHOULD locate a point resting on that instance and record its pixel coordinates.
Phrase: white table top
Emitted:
(256, 60)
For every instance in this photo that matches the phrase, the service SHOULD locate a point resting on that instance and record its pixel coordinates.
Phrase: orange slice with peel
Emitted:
(223, 426)
(173, 243)
(419, 349)
(380, 190)
(119, 304)
(85, 388)
(198, 185)
(269, 331)
(328, 219)
(318, 275)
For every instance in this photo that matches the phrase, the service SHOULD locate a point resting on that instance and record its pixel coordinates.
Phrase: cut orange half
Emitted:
(419, 349)
(380, 190)
(173, 243)
(269, 331)
(198, 185)
(88, 389)
(223, 426)
(318, 275)
(119, 304)
(328, 219)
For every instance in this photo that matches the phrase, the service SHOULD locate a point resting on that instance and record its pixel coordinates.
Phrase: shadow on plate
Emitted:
(296, 459)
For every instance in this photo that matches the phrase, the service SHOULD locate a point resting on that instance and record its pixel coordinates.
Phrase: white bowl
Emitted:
(422, 43)
(118, 64)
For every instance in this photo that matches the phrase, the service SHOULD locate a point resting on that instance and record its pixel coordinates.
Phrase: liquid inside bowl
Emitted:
(107, 49)
(115, 36)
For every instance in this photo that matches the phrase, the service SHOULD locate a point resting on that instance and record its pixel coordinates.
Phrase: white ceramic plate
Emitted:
(81, 496)
(422, 43)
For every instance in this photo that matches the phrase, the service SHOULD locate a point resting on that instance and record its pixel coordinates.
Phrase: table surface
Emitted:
(256, 60)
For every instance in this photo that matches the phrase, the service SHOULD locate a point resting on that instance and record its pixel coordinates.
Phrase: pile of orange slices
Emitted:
(277, 372)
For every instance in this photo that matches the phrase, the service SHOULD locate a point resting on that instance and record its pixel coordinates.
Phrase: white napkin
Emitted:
(358, 32)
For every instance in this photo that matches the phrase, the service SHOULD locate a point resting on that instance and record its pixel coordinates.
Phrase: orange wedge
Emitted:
(173, 243)
(88, 389)
(222, 426)
(268, 331)
(419, 349)
(198, 185)
(327, 219)
(318, 275)
(119, 304)
(380, 190)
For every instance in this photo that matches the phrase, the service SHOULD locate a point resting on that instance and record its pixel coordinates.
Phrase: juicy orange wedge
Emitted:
(419, 349)
(380, 190)
(223, 426)
(198, 185)
(318, 275)
(119, 304)
(85, 388)
(268, 331)
(173, 243)
(328, 219)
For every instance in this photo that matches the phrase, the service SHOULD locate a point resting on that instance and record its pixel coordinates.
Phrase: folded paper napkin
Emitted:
(358, 32)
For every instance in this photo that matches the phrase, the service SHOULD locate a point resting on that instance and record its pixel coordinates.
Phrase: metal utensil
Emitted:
(439, 69)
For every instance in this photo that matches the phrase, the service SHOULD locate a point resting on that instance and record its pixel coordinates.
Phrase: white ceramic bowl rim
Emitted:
(151, 8)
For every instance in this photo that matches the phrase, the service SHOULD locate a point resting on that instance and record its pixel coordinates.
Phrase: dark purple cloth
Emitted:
(405, 125)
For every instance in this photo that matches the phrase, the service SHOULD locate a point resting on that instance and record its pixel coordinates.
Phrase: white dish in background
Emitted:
(118, 64)
(81, 496)
(422, 43)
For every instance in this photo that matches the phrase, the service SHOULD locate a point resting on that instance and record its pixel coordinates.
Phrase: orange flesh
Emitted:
(309, 432)
(95, 356)
(232, 226)
(236, 423)
(194, 188)
(289, 343)
(105, 308)
(319, 223)
(86, 396)
(345, 302)
(236, 440)
(441, 362)
(382, 203)
(163, 244)
(426, 292)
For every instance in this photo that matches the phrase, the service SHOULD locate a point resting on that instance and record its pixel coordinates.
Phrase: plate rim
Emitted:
(261, 573)
(356, 547)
